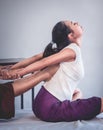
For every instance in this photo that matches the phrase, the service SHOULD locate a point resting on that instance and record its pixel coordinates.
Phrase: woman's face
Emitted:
(77, 30)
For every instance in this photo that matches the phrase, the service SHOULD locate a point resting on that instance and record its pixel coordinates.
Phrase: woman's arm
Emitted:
(27, 61)
(62, 56)
(10, 72)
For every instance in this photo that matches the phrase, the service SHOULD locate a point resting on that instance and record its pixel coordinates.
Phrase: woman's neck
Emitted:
(77, 42)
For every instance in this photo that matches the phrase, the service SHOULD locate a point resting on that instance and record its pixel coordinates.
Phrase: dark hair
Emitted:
(60, 37)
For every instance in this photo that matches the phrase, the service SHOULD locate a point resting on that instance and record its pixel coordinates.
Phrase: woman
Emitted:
(61, 67)
(59, 99)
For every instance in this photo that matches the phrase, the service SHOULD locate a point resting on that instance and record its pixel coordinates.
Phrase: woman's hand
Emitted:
(10, 74)
(2, 68)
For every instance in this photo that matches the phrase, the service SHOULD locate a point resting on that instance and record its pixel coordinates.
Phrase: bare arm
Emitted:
(22, 85)
(27, 61)
(62, 56)
(10, 72)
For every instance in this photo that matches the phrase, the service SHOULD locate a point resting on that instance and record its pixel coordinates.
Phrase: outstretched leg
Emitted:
(22, 85)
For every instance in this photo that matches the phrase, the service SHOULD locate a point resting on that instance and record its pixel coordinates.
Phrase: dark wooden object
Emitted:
(12, 61)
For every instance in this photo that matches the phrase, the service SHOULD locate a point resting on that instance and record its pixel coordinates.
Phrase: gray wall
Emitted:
(25, 29)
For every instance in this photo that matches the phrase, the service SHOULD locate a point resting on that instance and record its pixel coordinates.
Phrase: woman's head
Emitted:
(61, 37)
(76, 33)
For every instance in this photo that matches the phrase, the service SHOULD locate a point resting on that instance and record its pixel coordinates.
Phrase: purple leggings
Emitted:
(49, 108)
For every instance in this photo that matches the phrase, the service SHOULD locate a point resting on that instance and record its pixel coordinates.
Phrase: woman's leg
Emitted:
(22, 85)
(78, 95)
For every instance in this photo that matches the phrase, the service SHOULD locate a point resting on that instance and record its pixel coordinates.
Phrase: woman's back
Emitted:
(65, 80)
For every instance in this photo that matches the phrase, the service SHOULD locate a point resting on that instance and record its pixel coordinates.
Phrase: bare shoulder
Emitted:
(68, 54)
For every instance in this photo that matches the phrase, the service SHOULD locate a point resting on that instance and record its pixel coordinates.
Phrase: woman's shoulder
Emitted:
(75, 48)
(73, 45)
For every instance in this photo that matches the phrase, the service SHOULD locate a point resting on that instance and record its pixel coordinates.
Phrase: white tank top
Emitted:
(67, 77)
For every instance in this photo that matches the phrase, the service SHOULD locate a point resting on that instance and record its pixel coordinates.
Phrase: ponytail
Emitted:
(59, 39)
(50, 49)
